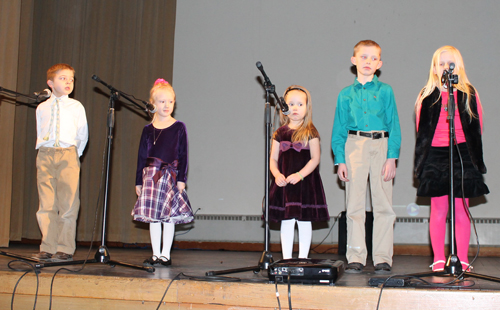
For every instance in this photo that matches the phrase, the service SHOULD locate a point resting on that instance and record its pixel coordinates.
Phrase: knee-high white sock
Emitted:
(168, 239)
(305, 237)
(287, 231)
(155, 234)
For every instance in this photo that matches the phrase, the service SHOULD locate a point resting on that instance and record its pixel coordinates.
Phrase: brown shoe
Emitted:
(383, 268)
(42, 255)
(60, 256)
(354, 268)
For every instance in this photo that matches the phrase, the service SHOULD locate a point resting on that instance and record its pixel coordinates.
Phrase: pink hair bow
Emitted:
(158, 81)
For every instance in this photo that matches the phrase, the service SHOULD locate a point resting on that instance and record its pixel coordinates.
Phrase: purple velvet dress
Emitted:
(304, 201)
(162, 161)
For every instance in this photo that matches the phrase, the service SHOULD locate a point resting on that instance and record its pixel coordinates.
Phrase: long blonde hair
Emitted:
(159, 85)
(434, 80)
(306, 131)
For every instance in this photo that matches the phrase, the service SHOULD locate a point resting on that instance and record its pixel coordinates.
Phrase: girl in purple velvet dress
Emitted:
(296, 195)
(161, 175)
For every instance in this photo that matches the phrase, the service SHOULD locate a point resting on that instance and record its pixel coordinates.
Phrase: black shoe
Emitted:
(354, 268)
(153, 260)
(164, 261)
(382, 268)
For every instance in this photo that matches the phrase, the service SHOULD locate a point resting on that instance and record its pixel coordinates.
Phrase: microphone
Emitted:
(284, 106)
(281, 102)
(447, 72)
(444, 76)
(97, 79)
(261, 69)
(46, 93)
(151, 108)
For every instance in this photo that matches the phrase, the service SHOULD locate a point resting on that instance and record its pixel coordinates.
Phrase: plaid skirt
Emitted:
(160, 200)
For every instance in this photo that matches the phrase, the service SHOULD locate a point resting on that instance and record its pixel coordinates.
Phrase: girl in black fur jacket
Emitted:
(432, 153)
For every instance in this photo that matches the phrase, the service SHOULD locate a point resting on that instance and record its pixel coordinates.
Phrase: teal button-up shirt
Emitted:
(365, 108)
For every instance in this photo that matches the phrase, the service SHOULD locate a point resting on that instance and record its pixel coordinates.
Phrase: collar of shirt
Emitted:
(358, 85)
(62, 98)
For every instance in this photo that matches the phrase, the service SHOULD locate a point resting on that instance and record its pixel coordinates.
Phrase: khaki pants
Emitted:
(58, 178)
(366, 157)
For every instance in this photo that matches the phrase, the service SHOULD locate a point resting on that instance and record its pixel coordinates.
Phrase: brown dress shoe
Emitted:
(43, 255)
(60, 256)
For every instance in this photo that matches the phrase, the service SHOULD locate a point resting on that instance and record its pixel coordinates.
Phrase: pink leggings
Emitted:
(437, 227)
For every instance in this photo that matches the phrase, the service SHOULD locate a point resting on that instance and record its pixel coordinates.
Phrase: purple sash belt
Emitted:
(163, 168)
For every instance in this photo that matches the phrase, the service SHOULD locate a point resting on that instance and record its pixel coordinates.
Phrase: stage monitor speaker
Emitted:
(343, 233)
(306, 271)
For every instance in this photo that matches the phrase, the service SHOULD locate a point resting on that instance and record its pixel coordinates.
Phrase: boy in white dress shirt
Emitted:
(62, 134)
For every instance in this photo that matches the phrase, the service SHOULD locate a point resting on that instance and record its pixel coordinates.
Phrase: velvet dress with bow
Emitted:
(304, 201)
(162, 162)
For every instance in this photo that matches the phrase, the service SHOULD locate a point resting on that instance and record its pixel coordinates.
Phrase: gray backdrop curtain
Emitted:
(128, 44)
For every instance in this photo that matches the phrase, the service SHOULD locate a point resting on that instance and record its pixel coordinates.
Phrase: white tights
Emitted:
(168, 238)
(287, 234)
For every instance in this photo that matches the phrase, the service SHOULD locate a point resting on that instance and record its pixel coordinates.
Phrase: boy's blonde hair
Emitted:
(434, 80)
(159, 85)
(306, 131)
(51, 73)
(366, 43)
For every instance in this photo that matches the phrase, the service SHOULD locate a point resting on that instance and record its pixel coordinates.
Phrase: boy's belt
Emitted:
(373, 135)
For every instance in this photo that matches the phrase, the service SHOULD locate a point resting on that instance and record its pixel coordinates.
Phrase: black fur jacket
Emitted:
(429, 116)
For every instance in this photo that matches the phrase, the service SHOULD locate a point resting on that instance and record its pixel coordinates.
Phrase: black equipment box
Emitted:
(392, 282)
(306, 271)
(342, 248)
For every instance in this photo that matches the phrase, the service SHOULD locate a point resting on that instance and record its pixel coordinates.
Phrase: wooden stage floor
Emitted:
(100, 286)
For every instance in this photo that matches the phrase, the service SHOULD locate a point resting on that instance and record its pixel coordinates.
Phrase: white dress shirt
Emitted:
(73, 124)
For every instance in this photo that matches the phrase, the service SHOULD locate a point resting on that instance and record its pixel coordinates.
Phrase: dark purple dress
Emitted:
(162, 161)
(304, 201)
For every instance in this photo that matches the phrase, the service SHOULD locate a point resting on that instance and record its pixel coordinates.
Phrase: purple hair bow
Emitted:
(286, 145)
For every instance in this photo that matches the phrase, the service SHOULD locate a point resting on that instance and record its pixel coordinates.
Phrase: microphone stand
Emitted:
(11, 92)
(453, 266)
(102, 255)
(37, 99)
(266, 258)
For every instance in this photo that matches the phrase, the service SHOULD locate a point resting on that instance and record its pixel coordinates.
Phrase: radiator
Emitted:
(250, 228)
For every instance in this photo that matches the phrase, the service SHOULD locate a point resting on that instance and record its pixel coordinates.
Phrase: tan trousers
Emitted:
(366, 157)
(58, 181)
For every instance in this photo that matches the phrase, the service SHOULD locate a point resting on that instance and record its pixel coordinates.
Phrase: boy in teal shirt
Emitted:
(366, 139)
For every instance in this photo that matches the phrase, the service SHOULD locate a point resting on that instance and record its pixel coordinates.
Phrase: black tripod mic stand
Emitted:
(266, 258)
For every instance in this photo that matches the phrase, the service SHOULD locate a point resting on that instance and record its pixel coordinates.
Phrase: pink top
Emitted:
(441, 135)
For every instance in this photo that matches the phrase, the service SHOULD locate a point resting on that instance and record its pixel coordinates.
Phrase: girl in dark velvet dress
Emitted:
(296, 195)
(431, 153)
(161, 175)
